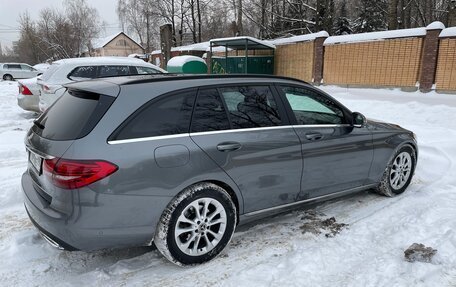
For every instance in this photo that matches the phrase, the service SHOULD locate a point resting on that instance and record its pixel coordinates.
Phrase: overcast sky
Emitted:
(11, 9)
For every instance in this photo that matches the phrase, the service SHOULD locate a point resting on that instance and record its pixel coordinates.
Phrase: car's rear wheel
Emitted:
(399, 172)
(7, 77)
(197, 225)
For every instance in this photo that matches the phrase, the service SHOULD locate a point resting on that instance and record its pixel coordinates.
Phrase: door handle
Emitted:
(314, 136)
(228, 146)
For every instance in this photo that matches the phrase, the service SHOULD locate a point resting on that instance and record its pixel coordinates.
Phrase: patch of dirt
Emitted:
(419, 252)
(11, 223)
(316, 224)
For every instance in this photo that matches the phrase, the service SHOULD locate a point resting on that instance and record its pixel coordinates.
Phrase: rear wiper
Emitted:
(38, 124)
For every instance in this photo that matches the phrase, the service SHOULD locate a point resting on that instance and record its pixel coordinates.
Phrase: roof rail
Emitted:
(173, 77)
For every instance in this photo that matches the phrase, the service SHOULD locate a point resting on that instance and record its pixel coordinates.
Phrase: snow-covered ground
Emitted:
(275, 251)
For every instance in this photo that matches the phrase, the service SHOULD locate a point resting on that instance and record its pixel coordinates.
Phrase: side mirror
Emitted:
(359, 120)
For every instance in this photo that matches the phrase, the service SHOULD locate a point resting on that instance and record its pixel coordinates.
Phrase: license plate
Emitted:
(36, 161)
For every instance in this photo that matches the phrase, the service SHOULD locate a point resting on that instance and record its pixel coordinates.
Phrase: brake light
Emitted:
(71, 174)
(24, 90)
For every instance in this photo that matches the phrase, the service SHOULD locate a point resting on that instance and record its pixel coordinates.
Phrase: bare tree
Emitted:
(86, 22)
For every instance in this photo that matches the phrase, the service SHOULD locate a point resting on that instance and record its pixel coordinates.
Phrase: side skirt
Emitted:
(251, 216)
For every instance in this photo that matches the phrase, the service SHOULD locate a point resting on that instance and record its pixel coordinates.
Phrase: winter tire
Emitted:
(7, 77)
(196, 225)
(398, 173)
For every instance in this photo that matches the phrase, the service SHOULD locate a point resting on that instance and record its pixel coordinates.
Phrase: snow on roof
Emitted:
(181, 60)
(156, 52)
(264, 43)
(218, 49)
(101, 42)
(373, 36)
(436, 25)
(100, 60)
(448, 32)
(300, 38)
(192, 47)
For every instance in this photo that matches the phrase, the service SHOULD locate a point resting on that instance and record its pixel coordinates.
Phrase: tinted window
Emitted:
(72, 116)
(13, 66)
(209, 114)
(87, 72)
(251, 106)
(311, 108)
(146, 70)
(166, 116)
(110, 71)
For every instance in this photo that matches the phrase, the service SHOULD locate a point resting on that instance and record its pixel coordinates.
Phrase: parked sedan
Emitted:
(12, 71)
(182, 160)
(77, 69)
(28, 97)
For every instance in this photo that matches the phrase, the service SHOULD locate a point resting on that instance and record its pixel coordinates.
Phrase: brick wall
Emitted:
(392, 62)
(446, 65)
(295, 60)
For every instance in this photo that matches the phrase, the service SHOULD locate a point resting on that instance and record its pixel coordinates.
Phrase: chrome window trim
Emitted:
(323, 126)
(113, 142)
(143, 139)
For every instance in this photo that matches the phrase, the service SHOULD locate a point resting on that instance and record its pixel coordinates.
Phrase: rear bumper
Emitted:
(91, 226)
(50, 238)
(28, 103)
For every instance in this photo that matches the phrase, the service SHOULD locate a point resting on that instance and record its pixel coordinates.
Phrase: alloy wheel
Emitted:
(200, 226)
(400, 170)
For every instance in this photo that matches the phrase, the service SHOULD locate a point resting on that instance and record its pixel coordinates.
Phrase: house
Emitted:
(119, 44)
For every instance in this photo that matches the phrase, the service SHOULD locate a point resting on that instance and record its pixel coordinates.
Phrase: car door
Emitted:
(244, 130)
(16, 71)
(336, 155)
(28, 71)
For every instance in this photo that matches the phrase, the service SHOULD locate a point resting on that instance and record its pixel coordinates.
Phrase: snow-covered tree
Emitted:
(343, 25)
(372, 16)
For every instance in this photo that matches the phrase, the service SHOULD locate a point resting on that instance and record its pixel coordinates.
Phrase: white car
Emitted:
(28, 97)
(12, 71)
(42, 67)
(66, 71)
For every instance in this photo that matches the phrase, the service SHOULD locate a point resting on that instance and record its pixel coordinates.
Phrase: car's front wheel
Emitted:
(399, 172)
(197, 225)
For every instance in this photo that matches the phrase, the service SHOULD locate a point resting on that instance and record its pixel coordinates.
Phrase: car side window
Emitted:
(13, 67)
(26, 68)
(85, 72)
(209, 113)
(146, 70)
(311, 108)
(110, 71)
(251, 106)
(168, 115)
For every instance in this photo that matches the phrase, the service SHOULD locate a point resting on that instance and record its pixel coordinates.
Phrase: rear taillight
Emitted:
(24, 90)
(71, 174)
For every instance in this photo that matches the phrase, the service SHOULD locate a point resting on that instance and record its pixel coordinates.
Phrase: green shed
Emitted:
(187, 65)
(248, 62)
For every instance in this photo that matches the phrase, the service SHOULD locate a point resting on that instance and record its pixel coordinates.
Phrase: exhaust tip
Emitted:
(51, 241)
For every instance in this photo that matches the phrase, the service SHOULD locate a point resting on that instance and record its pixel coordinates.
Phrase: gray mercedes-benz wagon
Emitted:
(179, 161)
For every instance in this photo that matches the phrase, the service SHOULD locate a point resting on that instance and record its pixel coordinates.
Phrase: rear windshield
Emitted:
(72, 116)
(50, 71)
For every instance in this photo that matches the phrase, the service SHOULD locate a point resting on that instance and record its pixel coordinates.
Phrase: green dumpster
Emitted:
(187, 65)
